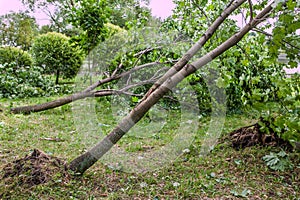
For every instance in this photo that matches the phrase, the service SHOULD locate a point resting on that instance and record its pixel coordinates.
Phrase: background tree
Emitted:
(56, 55)
(129, 13)
(89, 16)
(18, 30)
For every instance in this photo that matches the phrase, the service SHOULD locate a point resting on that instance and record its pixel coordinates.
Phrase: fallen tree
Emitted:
(90, 90)
(175, 75)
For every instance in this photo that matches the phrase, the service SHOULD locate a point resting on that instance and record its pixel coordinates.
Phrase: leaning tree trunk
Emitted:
(86, 160)
(178, 66)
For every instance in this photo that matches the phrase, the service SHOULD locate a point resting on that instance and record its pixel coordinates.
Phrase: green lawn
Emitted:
(225, 173)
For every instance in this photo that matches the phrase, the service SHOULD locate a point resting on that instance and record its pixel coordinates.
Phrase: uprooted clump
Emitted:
(252, 135)
(37, 168)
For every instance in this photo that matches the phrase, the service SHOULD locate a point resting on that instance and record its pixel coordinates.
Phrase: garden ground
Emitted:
(225, 173)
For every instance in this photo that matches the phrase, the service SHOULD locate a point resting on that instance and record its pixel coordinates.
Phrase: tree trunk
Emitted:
(86, 160)
(57, 77)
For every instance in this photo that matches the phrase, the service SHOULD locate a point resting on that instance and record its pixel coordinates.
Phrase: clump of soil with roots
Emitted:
(252, 135)
(34, 169)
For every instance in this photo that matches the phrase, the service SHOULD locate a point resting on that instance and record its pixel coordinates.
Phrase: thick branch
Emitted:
(77, 96)
(51, 104)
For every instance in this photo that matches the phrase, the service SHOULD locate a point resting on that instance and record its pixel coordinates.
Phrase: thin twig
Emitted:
(251, 10)
(147, 50)
(116, 70)
(202, 11)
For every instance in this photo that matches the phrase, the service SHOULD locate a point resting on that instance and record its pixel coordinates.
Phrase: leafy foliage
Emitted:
(278, 161)
(90, 16)
(112, 29)
(285, 90)
(15, 55)
(284, 34)
(284, 121)
(129, 13)
(248, 73)
(17, 29)
(56, 55)
(25, 81)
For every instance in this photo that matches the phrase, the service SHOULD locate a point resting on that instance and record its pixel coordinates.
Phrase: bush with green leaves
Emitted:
(113, 29)
(25, 81)
(57, 55)
(284, 118)
(15, 55)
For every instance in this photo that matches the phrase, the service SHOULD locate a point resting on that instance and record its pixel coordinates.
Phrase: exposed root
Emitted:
(37, 168)
(251, 136)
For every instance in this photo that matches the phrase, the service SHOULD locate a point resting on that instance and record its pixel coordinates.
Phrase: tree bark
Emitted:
(51, 104)
(86, 160)
(57, 77)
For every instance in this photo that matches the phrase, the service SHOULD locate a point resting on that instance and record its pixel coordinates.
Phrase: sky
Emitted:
(160, 8)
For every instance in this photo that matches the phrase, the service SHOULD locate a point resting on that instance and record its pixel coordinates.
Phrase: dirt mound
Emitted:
(251, 136)
(35, 169)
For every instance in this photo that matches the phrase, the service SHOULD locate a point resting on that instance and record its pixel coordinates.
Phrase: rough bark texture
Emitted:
(86, 160)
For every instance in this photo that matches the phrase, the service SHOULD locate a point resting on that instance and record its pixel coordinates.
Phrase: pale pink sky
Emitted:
(160, 8)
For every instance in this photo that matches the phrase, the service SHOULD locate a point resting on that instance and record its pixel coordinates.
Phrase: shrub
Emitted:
(57, 55)
(27, 81)
(15, 55)
(112, 29)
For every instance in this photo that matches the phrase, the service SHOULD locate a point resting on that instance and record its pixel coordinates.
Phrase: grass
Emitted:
(225, 173)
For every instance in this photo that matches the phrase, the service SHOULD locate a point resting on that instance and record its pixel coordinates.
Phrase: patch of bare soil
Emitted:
(251, 136)
(37, 168)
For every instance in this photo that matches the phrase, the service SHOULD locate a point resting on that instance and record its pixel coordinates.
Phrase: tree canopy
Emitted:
(18, 30)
